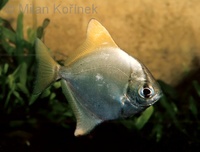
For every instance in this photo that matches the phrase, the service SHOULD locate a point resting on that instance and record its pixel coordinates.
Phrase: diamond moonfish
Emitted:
(100, 81)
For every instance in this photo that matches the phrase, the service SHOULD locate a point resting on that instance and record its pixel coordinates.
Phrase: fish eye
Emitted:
(146, 91)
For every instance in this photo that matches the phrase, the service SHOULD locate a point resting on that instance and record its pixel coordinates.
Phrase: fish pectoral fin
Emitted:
(97, 37)
(86, 121)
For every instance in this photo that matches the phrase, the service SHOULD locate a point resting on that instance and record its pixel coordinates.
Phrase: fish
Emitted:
(100, 81)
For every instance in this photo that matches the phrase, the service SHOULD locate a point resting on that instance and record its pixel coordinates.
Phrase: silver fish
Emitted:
(100, 81)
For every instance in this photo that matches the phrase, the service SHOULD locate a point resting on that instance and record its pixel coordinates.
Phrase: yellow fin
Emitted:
(97, 37)
(47, 71)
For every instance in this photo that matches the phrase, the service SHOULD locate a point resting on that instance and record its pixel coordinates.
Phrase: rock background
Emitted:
(164, 35)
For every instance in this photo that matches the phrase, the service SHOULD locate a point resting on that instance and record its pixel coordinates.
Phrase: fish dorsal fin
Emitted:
(86, 121)
(97, 37)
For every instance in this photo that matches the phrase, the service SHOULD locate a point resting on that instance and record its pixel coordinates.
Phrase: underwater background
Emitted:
(164, 35)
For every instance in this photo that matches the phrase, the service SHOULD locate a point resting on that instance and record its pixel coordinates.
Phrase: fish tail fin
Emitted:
(48, 68)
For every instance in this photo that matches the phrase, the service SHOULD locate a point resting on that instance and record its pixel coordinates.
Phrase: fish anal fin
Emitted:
(85, 120)
(85, 123)
(97, 37)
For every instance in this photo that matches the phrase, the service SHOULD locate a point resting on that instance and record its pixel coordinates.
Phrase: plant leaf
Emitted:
(193, 106)
(45, 23)
(17, 95)
(19, 29)
(19, 53)
(23, 73)
(5, 69)
(22, 88)
(8, 34)
(143, 119)
(57, 85)
(3, 3)
(7, 47)
(197, 87)
(158, 131)
(31, 35)
(40, 32)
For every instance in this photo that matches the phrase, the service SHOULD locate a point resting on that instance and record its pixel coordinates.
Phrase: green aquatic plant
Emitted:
(16, 60)
(3, 3)
(17, 75)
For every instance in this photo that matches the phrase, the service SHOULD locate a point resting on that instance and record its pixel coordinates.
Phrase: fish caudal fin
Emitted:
(47, 71)
(86, 121)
